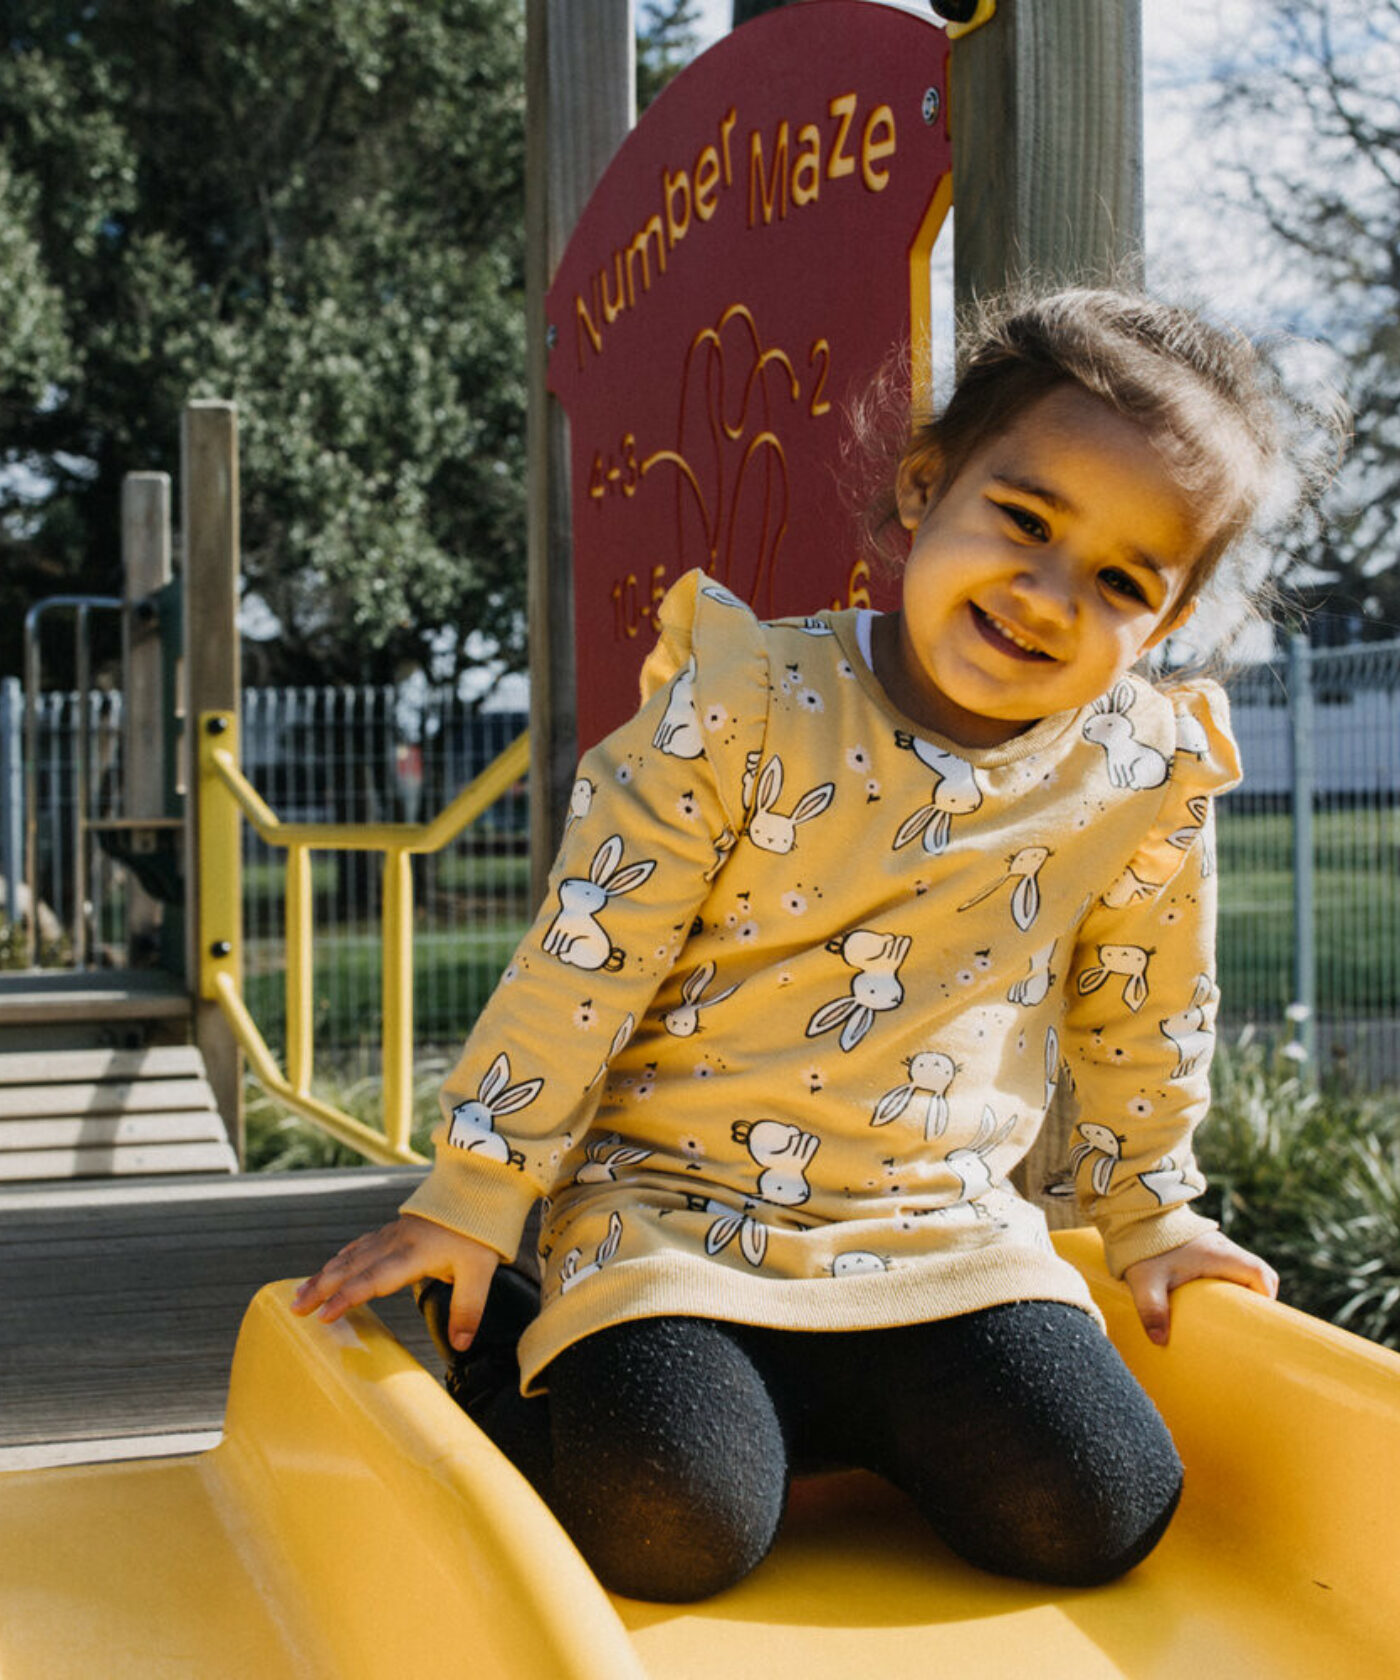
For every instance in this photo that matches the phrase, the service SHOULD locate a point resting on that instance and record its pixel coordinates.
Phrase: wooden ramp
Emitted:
(120, 1300)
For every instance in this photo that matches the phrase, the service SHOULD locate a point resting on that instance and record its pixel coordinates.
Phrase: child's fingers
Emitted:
(469, 1286)
(371, 1266)
(1151, 1286)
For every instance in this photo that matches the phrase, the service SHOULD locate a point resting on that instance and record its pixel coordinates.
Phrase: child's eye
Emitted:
(1028, 523)
(1123, 583)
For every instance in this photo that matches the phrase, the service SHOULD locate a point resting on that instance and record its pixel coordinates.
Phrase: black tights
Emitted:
(665, 1445)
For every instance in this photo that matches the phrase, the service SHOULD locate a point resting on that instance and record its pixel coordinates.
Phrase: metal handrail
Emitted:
(33, 672)
(225, 798)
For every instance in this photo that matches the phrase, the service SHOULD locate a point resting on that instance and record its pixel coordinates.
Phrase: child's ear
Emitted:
(913, 489)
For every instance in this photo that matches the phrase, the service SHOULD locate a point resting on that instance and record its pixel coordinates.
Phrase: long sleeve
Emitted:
(1139, 1026)
(655, 811)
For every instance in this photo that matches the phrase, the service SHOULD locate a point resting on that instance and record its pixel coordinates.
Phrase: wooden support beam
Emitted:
(580, 69)
(145, 568)
(209, 525)
(1046, 116)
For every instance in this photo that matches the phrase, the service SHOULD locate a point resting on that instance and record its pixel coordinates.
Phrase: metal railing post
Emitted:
(1303, 772)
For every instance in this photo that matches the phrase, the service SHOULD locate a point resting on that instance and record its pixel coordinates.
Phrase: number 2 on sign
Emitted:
(631, 610)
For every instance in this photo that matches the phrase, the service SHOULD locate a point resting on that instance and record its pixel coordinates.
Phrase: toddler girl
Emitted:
(835, 915)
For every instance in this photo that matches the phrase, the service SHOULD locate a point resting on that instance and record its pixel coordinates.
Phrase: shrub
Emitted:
(1309, 1178)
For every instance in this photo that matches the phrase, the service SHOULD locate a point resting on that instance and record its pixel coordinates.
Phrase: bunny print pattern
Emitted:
(806, 980)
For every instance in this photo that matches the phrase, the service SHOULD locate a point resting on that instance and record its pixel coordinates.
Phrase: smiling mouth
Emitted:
(1005, 638)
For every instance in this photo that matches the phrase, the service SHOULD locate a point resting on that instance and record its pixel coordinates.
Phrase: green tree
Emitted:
(1307, 131)
(316, 210)
(667, 39)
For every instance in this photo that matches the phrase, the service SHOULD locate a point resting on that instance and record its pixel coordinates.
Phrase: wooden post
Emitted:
(580, 69)
(209, 525)
(1046, 118)
(146, 568)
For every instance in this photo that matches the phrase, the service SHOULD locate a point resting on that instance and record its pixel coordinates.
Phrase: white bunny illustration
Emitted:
(769, 830)
(930, 1075)
(684, 1020)
(678, 733)
(955, 794)
(1188, 1031)
(605, 1156)
(473, 1126)
(784, 1152)
(626, 1027)
(1201, 828)
(857, 1260)
(971, 1163)
(1052, 1064)
(1169, 1182)
(876, 987)
(1191, 736)
(570, 1272)
(1129, 961)
(575, 935)
(1127, 889)
(580, 801)
(1131, 763)
(1034, 987)
(752, 1233)
(1023, 868)
(1101, 1145)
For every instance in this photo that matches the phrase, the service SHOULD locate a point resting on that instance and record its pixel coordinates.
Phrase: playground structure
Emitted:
(353, 1522)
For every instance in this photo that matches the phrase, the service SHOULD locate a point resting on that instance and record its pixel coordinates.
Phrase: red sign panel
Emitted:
(755, 250)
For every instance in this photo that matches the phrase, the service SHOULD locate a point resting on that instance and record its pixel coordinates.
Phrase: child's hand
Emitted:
(399, 1254)
(1210, 1255)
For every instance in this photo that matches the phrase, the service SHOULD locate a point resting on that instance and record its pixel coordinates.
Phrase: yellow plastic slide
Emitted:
(353, 1522)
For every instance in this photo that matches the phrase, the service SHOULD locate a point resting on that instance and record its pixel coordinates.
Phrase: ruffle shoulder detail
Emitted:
(1192, 720)
(713, 652)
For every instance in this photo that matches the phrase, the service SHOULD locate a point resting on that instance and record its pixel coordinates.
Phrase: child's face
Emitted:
(1049, 565)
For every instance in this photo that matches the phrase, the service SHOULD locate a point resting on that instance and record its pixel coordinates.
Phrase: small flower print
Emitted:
(810, 701)
(644, 1089)
(872, 789)
(858, 759)
(965, 977)
(845, 669)
(794, 903)
(1169, 917)
(693, 1150)
(747, 933)
(585, 1015)
(1140, 1108)
(688, 806)
(511, 971)
(716, 717)
(785, 978)
(704, 1071)
(982, 961)
(624, 773)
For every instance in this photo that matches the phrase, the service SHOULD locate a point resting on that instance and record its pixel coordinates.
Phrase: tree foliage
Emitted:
(1309, 120)
(314, 210)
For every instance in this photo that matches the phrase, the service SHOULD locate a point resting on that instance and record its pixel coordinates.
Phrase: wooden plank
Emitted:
(34, 999)
(109, 1131)
(145, 568)
(122, 1300)
(157, 1061)
(112, 1096)
(132, 1162)
(580, 104)
(209, 520)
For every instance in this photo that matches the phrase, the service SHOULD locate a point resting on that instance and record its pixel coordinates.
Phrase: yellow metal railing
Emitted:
(226, 796)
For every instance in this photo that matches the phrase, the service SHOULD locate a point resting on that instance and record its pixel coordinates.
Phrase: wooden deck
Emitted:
(120, 1302)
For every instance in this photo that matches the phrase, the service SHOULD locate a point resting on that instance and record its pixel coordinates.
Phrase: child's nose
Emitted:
(1047, 590)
